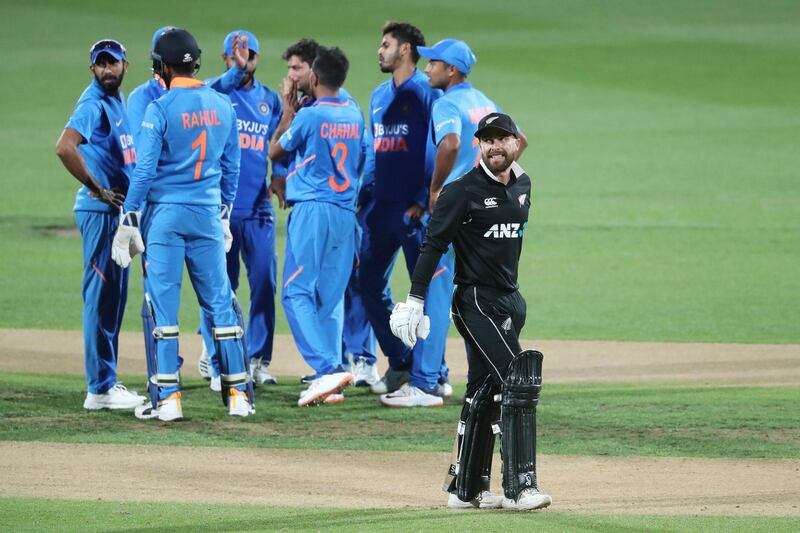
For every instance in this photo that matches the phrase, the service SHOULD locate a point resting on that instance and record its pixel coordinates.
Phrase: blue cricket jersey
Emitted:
(107, 148)
(459, 111)
(327, 138)
(399, 151)
(189, 149)
(258, 111)
(139, 99)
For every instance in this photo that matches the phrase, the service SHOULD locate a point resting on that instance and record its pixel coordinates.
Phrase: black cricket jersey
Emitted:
(485, 221)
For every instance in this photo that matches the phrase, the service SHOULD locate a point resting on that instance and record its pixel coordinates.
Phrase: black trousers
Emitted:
(490, 321)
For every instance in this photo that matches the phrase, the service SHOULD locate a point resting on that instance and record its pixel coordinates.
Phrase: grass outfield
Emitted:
(20, 514)
(663, 149)
(661, 420)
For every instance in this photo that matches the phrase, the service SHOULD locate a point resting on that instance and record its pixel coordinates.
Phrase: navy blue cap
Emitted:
(107, 46)
(252, 42)
(159, 32)
(452, 52)
(496, 121)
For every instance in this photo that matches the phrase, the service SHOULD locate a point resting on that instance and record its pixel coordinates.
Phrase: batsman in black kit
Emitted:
(483, 214)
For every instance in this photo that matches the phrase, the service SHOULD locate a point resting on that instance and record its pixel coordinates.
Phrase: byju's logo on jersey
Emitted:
(489, 203)
(512, 230)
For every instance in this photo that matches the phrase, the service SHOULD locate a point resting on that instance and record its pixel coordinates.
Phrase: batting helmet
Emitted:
(176, 47)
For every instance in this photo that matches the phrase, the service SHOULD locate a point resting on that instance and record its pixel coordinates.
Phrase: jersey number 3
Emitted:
(200, 142)
(339, 149)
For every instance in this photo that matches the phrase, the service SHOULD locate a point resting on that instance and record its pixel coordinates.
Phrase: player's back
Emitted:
(459, 111)
(329, 157)
(196, 129)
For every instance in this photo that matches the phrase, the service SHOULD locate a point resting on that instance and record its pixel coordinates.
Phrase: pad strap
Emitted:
(167, 380)
(165, 332)
(228, 333)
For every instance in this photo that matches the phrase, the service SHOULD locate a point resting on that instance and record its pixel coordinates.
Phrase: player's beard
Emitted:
(247, 78)
(387, 63)
(110, 83)
(497, 164)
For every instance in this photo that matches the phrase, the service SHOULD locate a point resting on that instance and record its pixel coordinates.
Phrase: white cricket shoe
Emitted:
(390, 382)
(365, 374)
(445, 390)
(169, 409)
(117, 397)
(260, 374)
(238, 404)
(410, 396)
(323, 387)
(204, 363)
(484, 500)
(337, 397)
(528, 500)
(215, 384)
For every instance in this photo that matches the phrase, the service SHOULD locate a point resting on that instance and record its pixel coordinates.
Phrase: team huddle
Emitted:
(180, 176)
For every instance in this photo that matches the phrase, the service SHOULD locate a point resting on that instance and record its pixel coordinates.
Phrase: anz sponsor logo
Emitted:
(512, 230)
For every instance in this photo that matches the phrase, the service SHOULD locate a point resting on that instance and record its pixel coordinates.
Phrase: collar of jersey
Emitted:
(185, 83)
(516, 172)
(331, 100)
(462, 85)
(396, 88)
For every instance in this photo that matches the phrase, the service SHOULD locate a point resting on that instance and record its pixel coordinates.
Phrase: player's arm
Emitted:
(137, 103)
(445, 160)
(408, 321)
(277, 184)
(231, 78)
(523, 143)
(67, 151)
(149, 144)
(446, 122)
(230, 162)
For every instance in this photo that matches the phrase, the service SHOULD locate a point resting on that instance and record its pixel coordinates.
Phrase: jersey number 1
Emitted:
(200, 142)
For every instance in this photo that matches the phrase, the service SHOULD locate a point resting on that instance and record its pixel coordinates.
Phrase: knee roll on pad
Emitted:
(520, 395)
(477, 432)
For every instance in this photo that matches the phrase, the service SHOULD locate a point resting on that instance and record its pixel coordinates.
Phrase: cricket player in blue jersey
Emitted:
(358, 338)
(258, 110)
(187, 174)
(326, 138)
(97, 148)
(396, 176)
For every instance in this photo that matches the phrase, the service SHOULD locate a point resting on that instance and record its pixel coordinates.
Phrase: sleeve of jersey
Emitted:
(228, 81)
(136, 107)
(293, 137)
(85, 118)
(448, 214)
(368, 174)
(229, 163)
(446, 120)
(148, 150)
(279, 168)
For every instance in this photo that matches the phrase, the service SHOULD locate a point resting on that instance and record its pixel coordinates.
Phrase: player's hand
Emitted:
(278, 187)
(432, 197)
(241, 51)
(225, 216)
(128, 240)
(288, 92)
(414, 213)
(408, 321)
(112, 197)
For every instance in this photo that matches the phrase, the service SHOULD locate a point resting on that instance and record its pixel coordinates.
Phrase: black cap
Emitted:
(497, 121)
(176, 47)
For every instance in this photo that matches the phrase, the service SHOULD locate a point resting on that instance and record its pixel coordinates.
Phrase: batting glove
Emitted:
(225, 216)
(128, 240)
(408, 321)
